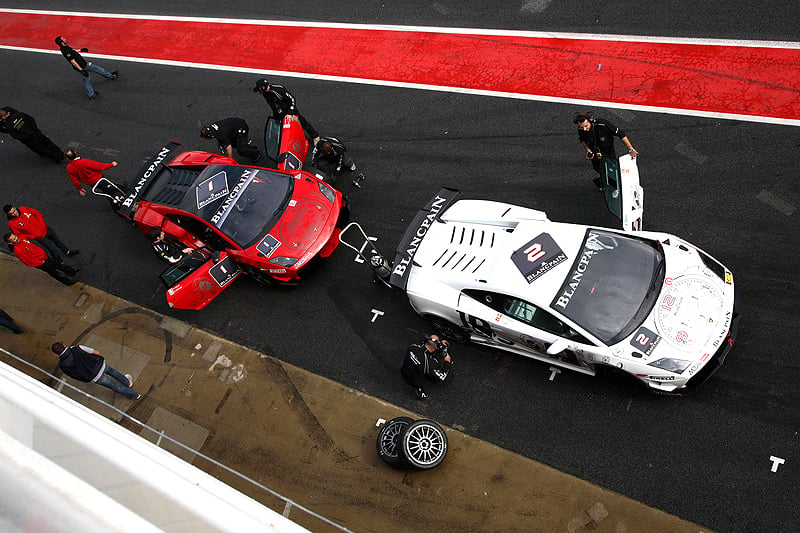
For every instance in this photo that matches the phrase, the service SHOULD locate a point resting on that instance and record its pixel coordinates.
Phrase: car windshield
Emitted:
(612, 285)
(243, 203)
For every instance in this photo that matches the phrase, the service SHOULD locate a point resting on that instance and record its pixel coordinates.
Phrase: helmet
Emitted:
(261, 85)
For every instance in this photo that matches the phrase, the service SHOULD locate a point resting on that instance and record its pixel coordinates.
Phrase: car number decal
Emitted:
(538, 256)
(645, 340)
(212, 189)
(268, 245)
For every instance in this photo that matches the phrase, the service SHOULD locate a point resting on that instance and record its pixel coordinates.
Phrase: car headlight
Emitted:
(287, 262)
(326, 191)
(671, 365)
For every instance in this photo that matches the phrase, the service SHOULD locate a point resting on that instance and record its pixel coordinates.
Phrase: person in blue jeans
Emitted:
(83, 67)
(8, 322)
(86, 364)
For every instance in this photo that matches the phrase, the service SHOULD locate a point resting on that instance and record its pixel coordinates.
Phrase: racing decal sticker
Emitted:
(153, 166)
(592, 245)
(224, 271)
(538, 256)
(645, 340)
(212, 189)
(416, 231)
(225, 208)
(268, 245)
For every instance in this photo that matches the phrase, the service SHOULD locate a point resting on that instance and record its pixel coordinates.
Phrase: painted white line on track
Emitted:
(427, 29)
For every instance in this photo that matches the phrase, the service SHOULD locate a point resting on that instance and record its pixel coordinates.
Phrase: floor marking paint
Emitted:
(746, 80)
(775, 202)
(689, 152)
(359, 258)
(776, 461)
(376, 314)
(553, 372)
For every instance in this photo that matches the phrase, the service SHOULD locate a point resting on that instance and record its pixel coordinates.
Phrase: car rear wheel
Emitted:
(448, 330)
(388, 439)
(423, 444)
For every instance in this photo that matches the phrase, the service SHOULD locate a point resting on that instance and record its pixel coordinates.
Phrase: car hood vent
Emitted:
(173, 190)
(465, 250)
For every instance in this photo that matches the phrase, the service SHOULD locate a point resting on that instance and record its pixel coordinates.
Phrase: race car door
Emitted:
(525, 328)
(624, 196)
(286, 143)
(198, 278)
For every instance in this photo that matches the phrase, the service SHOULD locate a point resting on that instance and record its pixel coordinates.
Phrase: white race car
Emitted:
(648, 304)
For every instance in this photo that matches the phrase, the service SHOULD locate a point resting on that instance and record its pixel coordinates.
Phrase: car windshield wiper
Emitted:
(284, 203)
(658, 274)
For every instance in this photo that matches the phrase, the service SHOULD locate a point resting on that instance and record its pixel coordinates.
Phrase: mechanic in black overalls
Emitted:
(23, 128)
(331, 157)
(427, 362)
(597, 137)
(282, 103)
(229, 133)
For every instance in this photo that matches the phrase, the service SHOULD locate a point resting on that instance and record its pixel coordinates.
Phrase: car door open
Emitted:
(623, 193)
(285, 143)
(198, 278)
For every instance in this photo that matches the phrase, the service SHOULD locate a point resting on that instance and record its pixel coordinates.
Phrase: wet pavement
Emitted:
(305, 437)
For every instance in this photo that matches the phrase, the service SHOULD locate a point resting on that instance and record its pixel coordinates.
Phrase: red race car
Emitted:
(268, 223)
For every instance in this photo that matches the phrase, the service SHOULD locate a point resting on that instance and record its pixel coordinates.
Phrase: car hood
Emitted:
(307, 222)
(693, 311)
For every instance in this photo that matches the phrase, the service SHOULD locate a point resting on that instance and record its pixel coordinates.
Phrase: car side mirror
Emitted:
(558, 346)
(215, 257)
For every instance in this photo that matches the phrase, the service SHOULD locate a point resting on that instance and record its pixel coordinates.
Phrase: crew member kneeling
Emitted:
(427, 362)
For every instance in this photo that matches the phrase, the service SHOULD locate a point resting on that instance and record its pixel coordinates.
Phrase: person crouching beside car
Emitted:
(427, 362)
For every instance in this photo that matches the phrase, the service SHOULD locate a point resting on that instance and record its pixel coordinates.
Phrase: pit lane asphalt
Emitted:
(726, 186)
(308, 438)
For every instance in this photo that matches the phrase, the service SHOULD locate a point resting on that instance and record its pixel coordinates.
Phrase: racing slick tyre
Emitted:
(388, 438)
(448, 330)
(423, 444)
(257, 275)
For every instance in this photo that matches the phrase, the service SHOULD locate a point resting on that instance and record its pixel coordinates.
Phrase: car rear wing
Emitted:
(416, 231)
(146, 174)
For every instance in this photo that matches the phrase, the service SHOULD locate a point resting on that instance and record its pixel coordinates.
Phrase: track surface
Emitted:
(727, 186)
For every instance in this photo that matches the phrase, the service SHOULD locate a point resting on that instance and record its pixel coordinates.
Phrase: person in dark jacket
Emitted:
(427, 362)
(83, 67)
(282, 103)
(85, 364)
(23, 128)
(331, 157)
(230, 133)
(597, 137)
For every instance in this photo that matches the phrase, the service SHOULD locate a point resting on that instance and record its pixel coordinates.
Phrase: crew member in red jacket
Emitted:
(35, 256)
(82, 170)
(28, 223)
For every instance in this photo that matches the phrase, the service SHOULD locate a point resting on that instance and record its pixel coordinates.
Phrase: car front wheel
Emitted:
(257, 274)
